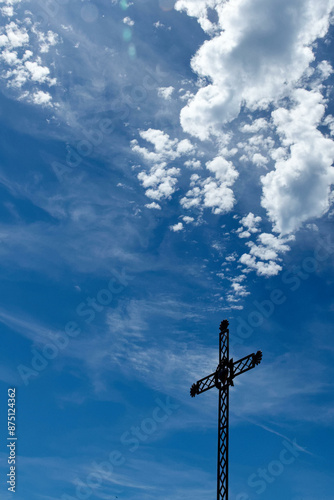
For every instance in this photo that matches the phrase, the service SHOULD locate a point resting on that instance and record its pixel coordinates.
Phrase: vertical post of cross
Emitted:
(222, 378)
(222, 463)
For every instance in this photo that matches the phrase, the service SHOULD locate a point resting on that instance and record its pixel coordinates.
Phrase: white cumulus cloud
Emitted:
(214, 191)
(43, 98)
(161, 179)
(261, 52)
(249, 225)
(153, 205)
(187, 219)
(299, 187)
(127, 20)
(176, 227)
(160, 182)
(166, 92)
(37, 73)
(267, 269)
(23, 44)
(199, 9)
(263, 256)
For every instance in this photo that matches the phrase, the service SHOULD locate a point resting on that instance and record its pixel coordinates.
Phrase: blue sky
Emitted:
(166, 165)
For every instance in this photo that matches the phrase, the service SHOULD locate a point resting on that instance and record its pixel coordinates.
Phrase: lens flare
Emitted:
(127, 34)
(124, 4)
(132, 50)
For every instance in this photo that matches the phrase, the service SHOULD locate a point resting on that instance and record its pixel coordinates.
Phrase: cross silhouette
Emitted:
(222, 378)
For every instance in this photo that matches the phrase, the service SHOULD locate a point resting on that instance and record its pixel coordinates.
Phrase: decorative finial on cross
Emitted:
(224, 325)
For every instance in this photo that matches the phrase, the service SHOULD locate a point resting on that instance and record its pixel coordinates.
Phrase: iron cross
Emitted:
(222, 378)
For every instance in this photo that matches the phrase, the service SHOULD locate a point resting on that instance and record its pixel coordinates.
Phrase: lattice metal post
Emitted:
(223, 411)
(222, 378)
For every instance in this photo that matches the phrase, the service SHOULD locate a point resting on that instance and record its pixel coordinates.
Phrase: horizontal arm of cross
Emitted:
(246, 363)
(236, 368)
(203, 385)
